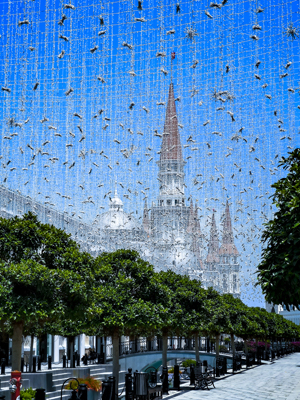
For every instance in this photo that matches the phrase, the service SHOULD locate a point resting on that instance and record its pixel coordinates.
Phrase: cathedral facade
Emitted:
(170, 235)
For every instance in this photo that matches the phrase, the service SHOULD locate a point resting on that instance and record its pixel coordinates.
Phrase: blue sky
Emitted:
(228, 159)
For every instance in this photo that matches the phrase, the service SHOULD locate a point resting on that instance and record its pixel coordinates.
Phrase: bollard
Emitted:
(112, 382)
(224, 365)
(221, 366)
(64, 361)
(40, 394)
(129, 385)
(2, 366)
(49, 362)
(39, 363)
(165, 381)
(34, 364)
(259, 357)
(153, 378)
(78, 360)
(106, 390)
(239, 362)
(176, 385)
(192, 374)
(82, 391)
(85, 359)
(233, 364)
(22, 364)
(74, 360)
(100, 358)
(218, 367)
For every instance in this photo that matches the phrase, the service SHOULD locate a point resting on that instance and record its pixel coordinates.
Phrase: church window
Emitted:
(161, 202)
(234, 283)
(176, 202)
(169, 202)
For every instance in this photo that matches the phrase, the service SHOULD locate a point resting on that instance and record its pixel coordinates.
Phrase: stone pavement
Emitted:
(279, 380)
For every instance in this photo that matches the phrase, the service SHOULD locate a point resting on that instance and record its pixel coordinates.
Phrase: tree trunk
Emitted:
(31, 352)
(217, 345)
(232, 344)
(71, 349)
(164, 349)
(197, 347)
(116, 368)
(16, 346)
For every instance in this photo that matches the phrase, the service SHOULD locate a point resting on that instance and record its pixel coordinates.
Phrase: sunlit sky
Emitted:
(237, 139)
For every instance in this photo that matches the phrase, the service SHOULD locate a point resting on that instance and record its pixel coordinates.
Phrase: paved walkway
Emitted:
(279, 380)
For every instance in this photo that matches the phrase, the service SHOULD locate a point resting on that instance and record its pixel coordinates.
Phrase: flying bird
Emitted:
(208, 14)
(69, 6)
(94, 49)
(25, 22)
(64, 38)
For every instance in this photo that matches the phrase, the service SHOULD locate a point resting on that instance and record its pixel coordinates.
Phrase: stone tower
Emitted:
(229, 266)
(169, 214)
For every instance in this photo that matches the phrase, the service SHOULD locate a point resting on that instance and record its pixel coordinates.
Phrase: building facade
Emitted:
(169, 236)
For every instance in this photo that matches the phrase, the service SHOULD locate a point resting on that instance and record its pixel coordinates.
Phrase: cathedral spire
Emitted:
(146, 220)
(197, 222)
(228, 246)
(191, 220)
(171, 145)
(213, 244)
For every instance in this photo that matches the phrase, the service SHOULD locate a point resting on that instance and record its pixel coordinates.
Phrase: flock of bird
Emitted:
(246, 212)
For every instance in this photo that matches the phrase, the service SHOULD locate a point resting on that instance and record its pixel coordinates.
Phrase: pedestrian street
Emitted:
(277, 381)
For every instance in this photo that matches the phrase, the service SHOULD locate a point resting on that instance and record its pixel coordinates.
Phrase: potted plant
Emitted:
(93, 385)
(27, 394)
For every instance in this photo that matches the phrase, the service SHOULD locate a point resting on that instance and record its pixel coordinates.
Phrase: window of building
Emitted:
(234, 283)
(176, 202)
(161, 203)
(225, 283)
(169, 202)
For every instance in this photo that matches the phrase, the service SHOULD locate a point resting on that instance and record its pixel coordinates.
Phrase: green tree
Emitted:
(185, 308)
(238, 315)
(278, 272)
(44, 278)
(127, 298)
(218, 320)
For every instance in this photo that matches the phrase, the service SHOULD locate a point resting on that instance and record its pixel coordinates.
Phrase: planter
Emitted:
(92, 395)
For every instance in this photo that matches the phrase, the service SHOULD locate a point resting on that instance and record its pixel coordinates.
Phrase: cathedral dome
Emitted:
(115, 218)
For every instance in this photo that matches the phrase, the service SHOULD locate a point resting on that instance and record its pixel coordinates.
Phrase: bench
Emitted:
(155, 393)
(202, 379)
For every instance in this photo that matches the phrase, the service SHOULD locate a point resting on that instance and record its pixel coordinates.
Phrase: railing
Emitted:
(143, 345)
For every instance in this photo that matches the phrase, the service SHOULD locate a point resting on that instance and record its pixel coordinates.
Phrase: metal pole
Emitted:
(3, 366)
(176, 378)
(40, 394)
(165, 382)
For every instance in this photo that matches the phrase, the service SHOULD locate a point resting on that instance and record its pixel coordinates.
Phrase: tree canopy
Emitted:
(128, 298)
(48, 285)
(279, 270)
(44, 278)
